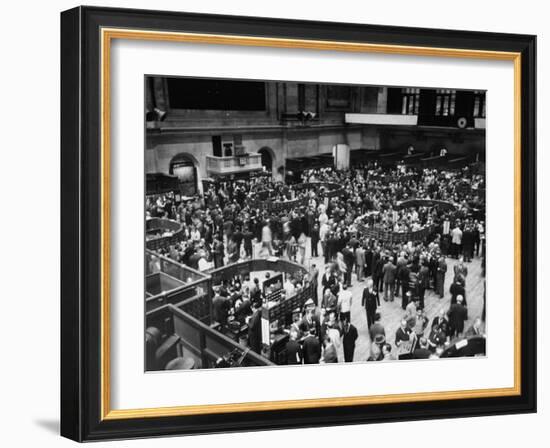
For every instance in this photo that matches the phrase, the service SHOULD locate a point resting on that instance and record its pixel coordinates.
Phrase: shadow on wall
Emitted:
(49, 425)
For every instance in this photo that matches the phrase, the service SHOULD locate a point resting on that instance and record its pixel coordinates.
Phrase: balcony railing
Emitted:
(233, 165)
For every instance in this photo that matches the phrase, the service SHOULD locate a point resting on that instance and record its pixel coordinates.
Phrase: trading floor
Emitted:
(391, 312)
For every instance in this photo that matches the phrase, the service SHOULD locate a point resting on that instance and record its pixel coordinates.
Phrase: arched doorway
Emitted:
(267, 158)
(184, 167)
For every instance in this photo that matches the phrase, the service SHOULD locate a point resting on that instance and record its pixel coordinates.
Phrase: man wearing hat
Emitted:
(377, 329)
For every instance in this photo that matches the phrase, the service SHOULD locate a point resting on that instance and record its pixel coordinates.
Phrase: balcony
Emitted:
(223, 166)
(386, 119)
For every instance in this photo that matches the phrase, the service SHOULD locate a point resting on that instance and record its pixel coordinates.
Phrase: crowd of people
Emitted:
(225, 225)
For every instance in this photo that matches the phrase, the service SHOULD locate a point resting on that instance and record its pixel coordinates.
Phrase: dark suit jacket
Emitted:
(349, 341)
(389, 270)
(457, 290)
(457, 315)
(424, 277)
(220, 307)
(293, 352)
(370, 300)
(376, 329)
(348, 256)
(311, 350)
(255, 332)
(376, 265)
(401, 335)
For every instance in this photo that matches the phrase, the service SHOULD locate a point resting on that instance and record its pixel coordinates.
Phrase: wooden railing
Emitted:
(260, 264)
(445, 205)
(329, 189)
(394, 237)
(162, 225)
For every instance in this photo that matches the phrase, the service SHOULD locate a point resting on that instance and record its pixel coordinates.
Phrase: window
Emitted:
(479, 104)
(410, 100)
(445, 101)
(216, 94)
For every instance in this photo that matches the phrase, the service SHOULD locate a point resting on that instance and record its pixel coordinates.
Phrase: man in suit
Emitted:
(377, 265)
(293, 349)
(368, 260)
(311, 348)
(440, 276)
(388, 272)
(423, 282)
(468, 244)
(314, 280)
(360, 262)
(457, 289)
(403, 333)
(404, 274)
(248, 236)
(218, 252)
(349, 259)
(255, 291)
(220, 308)
(441, 320)
(377, 329)
(310, 320)
(255, 329)
(458, 313)
(315, 240)
(460, 269)
(328, 279)
(370, 301)
(350, 335)
(401, 262)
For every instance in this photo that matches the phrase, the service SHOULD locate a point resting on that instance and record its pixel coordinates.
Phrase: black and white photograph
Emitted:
(291, 223)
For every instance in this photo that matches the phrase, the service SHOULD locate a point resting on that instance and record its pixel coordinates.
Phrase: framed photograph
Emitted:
(276, 224)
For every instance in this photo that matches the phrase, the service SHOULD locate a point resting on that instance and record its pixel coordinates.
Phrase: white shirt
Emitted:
(266, 234)
(456, 235)
(344, 300)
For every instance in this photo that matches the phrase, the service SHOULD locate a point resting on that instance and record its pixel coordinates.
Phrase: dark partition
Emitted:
(198, 340)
